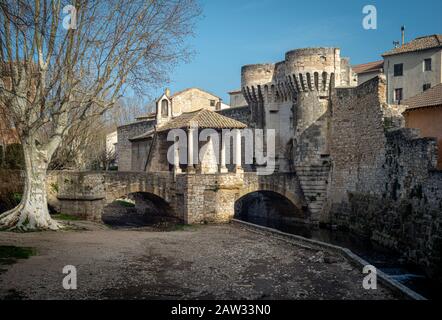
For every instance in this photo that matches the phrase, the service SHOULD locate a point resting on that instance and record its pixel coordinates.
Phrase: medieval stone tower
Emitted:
(293, 97)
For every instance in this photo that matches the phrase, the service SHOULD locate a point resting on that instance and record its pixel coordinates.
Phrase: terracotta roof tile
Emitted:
(368, 67)
(202, 118)
(429, 98)
(418, 44)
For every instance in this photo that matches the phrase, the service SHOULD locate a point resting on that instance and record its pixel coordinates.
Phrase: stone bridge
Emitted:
(193, 198)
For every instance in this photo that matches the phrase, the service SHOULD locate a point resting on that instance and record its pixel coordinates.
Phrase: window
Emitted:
(212, 103)
(399, 70)
(427, 86)
(164, 108)
(427, 64)
(398, 94)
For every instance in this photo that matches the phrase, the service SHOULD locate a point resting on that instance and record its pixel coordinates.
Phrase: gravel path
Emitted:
(203, 262)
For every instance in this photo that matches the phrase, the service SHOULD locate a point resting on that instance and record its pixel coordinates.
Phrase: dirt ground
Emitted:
(201, 262)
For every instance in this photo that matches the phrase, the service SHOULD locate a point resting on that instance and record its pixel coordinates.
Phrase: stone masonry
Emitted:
(124, 146)
(383, 182)
(344, 159)
(293, 98)
(193, 198)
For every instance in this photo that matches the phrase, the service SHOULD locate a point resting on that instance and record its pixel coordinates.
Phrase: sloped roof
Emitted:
(429, 98)
(150, 115)
(189, 89)
(368, 67)
(418, 44)
(147, 134)
(202, 118)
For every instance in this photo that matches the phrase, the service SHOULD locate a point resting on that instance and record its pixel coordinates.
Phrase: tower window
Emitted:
(427, 86)
(398, 69)
(398, 94)
(212, 103)
(427, 64)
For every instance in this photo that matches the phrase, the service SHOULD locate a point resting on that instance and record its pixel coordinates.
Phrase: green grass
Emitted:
(65, 217)
(125, 203)
(10, 254)
(13, 253)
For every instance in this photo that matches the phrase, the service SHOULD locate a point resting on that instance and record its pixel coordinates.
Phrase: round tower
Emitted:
(313, 69)
(254, 81)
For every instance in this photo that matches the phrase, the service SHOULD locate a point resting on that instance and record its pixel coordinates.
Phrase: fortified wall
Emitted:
(293, 97)
(383, 180)
(241, 114)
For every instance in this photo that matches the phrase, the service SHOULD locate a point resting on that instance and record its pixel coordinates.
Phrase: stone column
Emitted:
(222, 167)
(238, 164)
(176, 159)
(190, 167)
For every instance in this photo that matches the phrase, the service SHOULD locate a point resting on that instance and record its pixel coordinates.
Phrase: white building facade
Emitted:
(413, 68)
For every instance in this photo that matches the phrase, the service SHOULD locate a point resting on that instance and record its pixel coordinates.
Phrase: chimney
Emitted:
(403, 34)
(218, 105)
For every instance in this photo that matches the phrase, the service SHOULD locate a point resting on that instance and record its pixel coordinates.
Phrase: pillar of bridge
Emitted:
(176, 159)
(238, 162)
(222, 166)
(190, 150)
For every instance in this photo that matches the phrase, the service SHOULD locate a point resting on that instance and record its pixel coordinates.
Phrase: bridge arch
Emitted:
(271, 199)
(270, 208)
(138, 209)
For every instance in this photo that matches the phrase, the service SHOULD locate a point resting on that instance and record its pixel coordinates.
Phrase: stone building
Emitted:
(413, 67)
(358, 166)
(346, 157)
(132, 151)
(237, 99)
(367, 71)
(210, 149)
(293, 98)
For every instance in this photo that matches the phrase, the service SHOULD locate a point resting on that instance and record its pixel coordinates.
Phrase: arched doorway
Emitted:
(139, 209)
(270, 209)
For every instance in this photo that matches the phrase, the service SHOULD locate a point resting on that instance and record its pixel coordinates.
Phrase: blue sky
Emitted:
(234, 33)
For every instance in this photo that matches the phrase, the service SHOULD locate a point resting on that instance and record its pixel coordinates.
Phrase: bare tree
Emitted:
(57, 72)
(84, 147)
(126, 110)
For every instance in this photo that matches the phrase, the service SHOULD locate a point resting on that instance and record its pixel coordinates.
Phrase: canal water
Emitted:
(388, 261)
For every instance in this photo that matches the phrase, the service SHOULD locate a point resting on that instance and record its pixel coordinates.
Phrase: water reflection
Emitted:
(388, 261)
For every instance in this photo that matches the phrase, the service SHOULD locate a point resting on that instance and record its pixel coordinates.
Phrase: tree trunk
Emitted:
(32, 213)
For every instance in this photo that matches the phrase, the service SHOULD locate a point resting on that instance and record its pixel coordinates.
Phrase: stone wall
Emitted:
(211, 198)
(124, 146)
(383, 182)
(157, 161)
(241, 114)
(140, 151)
(192, 198)
(191, 100)
(85, 194)
(357, 140)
